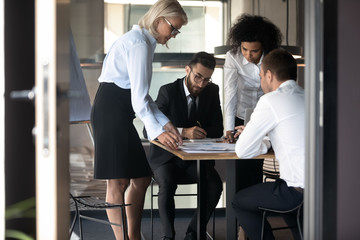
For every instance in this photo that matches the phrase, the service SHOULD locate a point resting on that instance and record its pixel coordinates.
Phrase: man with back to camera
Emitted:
(193, 105)
(280, 114)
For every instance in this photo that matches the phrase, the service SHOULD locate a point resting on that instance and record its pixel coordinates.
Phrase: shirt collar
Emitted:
(245, 62)
(186, 90)
(287, 84)
(146, 33)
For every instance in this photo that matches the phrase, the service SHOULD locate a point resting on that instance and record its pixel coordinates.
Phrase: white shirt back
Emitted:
(280, 115)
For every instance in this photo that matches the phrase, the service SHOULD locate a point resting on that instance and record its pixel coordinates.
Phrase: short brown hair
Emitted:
(281, 63)
(205, 59)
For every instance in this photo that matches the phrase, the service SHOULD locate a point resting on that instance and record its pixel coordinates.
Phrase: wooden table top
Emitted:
(208, 156)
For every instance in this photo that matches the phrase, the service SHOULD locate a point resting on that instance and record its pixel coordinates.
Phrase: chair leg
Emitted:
(124, 223)
(76, 216)
(263, 225)
(212, 237)
(80, 227)
(214, 224)
(151, 210)
(72, 225)
(298, 223)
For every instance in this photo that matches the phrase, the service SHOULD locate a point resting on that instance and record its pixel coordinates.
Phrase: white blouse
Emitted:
(241, 87)
(128, 64)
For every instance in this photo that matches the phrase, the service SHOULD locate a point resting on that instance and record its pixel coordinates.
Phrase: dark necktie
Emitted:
(192, 115)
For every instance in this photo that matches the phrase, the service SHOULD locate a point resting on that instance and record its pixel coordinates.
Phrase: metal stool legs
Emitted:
(298, 212)
(152, 209)
(92, 203)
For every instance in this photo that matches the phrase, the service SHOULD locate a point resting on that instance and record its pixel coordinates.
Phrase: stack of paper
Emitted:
(202, 146)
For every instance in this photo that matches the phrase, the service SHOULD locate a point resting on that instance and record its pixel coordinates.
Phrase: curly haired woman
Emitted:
(251, 38)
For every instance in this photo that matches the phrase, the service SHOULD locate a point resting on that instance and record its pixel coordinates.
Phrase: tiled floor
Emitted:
(81, 174)
(82, 183)
(96, 231)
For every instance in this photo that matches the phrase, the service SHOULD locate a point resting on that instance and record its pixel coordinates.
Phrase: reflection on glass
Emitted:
(97, 24)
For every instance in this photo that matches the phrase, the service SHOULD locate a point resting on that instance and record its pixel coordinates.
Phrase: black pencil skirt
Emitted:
(118, 149)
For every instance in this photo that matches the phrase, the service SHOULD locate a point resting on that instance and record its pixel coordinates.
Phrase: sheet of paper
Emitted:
(204, 140)
(207, 147)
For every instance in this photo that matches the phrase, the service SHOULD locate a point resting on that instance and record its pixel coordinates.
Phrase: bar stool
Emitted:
(296, 210)
(85, 203)
(271, 169)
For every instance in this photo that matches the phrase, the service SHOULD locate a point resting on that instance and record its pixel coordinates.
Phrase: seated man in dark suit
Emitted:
(192, 103)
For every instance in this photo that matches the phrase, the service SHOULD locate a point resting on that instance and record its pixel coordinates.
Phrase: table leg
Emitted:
(240, 174)
(231, 188)
(201, 201)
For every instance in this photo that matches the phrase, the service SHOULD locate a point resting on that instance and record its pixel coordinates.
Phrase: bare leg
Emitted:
(242, 234)
(135, 196)
(115, 194)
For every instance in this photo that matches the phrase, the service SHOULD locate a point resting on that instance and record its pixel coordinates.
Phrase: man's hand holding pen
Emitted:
(195, 132)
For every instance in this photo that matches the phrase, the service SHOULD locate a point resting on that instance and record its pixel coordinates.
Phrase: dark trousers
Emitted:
(274, 195)
(175, 172)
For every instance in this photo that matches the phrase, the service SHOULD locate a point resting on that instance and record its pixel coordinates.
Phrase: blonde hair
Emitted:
(162, 8)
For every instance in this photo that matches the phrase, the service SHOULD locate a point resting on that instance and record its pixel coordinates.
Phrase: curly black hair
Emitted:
(251, 28)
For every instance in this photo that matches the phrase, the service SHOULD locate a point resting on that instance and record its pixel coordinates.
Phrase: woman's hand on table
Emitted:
(171, 138)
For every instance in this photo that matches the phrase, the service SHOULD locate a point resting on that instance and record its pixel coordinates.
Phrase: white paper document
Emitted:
(207, 147)
(204, 140)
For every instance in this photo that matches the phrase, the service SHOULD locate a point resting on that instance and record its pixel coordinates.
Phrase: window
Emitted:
(97, 24)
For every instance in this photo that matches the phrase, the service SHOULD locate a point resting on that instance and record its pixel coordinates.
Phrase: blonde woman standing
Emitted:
(123, 92)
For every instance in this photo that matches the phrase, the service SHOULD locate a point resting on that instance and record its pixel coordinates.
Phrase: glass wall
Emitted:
(96, 24)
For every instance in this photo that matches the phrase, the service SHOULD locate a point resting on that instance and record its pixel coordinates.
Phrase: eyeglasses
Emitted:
(200, 79)
(174, 31)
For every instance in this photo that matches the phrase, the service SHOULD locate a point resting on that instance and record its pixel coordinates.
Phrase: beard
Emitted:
(193, 88)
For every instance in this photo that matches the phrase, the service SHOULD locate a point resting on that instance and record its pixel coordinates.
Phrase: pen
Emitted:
(234, 131)
(198, 123)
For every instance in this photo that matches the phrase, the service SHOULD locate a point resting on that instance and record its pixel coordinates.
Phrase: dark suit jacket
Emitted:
(172, 102)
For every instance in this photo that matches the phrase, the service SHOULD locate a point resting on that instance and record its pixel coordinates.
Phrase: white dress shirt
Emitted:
(128, 64)
(241, 87)
(279, 114)
(189, 101)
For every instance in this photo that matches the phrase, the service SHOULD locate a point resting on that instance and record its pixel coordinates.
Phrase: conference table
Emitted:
(231, 184)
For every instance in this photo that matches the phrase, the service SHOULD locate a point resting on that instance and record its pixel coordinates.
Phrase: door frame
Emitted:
(51, 118)
(2, 123)
(314, 120)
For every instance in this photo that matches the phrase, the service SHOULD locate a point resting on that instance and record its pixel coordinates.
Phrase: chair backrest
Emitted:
(80, 106)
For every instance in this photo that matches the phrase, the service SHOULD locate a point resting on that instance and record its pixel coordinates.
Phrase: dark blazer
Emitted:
(172, 102)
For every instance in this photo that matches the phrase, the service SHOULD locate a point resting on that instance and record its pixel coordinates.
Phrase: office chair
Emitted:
(271, 169)
(296, 210)
(153, 181)
(83, 203)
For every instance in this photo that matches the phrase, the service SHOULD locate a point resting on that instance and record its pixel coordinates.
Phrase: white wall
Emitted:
(275, 10)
